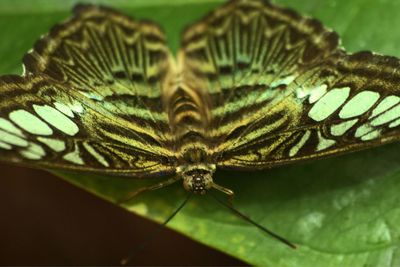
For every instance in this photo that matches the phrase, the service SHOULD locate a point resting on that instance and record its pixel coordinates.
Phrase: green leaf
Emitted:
(342, 211)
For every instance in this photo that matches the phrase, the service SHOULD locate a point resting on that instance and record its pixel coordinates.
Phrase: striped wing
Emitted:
(90, 98)
(282, 90)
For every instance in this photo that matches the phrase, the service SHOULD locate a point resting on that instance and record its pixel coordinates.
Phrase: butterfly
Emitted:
(253, 86)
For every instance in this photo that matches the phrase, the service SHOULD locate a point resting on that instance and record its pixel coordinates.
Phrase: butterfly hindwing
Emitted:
(283, 90)
(90, 98)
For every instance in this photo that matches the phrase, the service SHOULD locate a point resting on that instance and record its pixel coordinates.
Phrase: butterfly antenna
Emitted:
(151, 237)
(259, 226)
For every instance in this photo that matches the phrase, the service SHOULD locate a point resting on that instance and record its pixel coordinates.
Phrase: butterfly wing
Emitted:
(90, 98)
(353, 108)
(282, 90)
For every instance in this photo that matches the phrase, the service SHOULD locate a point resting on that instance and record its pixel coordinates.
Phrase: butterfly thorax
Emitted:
(195, 167)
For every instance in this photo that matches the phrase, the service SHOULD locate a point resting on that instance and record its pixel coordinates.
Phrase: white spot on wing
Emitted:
(314, 93)
(96, 155)
(395, 123)
(363, 130)
(371, 135)
(57, 119)
(64, 109)
(5, 146)
(387, 116)
(385, 104)
(12, 139)
(340, 128)
(33, 151)
(54, 144)
(359, 104)
(317, 93)
(77, 107)
(10, 127)
(74, 157)
(30, 122)
(324, 143)
(367, 132)
(329, 103)
(295, 149)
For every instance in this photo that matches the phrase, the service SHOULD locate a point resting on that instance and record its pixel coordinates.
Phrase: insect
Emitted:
(253, 86)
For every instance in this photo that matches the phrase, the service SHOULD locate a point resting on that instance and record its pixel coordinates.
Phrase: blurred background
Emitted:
(46, 221)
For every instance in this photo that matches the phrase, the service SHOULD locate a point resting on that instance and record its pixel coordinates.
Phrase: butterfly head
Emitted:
(198, 179)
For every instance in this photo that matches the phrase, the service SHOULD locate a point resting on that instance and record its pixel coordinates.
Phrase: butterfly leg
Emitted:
(149, 188)
(229, 192)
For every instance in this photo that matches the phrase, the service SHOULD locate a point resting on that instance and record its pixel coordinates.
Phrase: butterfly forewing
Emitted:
(110, 58)
(90, 98)
(353, 105)
(282, 89)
